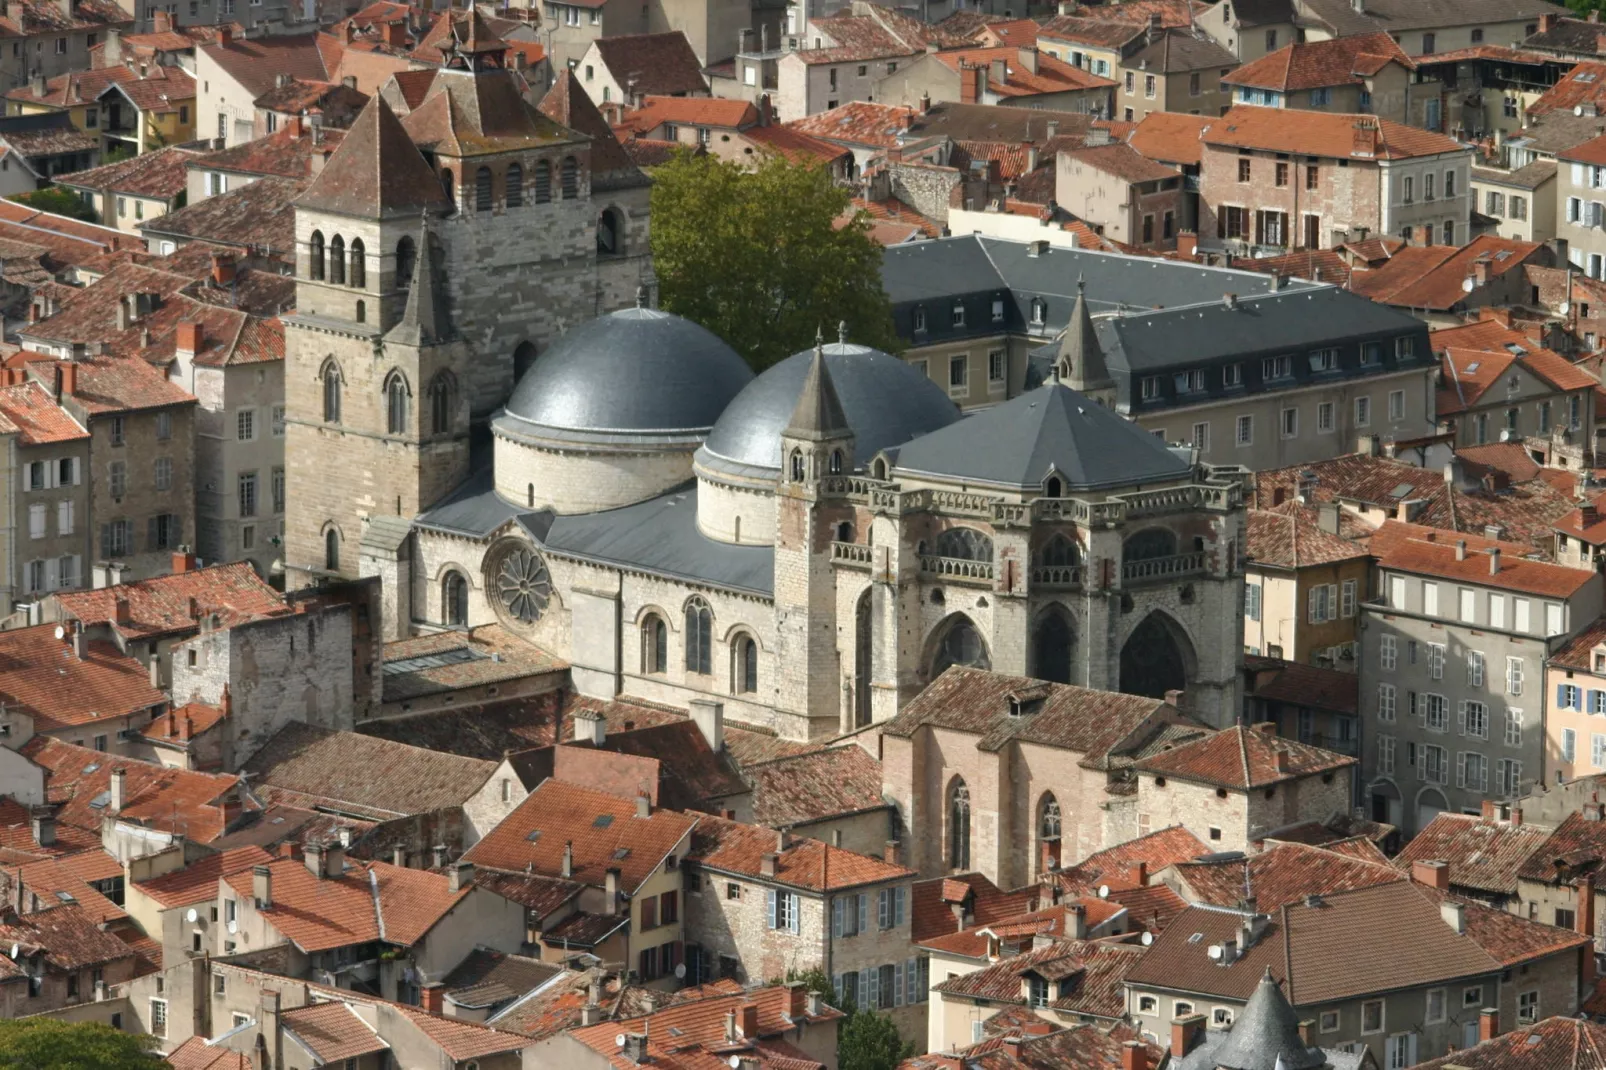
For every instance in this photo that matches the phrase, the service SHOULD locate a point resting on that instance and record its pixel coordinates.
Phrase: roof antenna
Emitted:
(641, 296)
(842, 332)
(819, 339)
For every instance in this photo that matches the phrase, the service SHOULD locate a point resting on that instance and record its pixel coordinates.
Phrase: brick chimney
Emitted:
(972, 82)
(1365, 140)
(1187, 244)
(748, 1020)
(225, 36)
(396, 33)
(223, 269)
(69, 379)
(1134, 1055)
(1488, 1023)
(1185, 1033)
(161, 22)
(187, 338)
(1432, 874)
(184, 561)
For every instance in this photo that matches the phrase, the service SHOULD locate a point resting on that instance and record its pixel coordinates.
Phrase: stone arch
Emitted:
(331, 378)
(523, 359)
(1156, 657)
(449, 185)
(454, 598)
(1059, 550)
(966, 543)
(1054, 486)
(406, 259)
(442, 401)
(337, 260)
(1047, 828)
(543, 181)
(315, 256)
(1384, 797)
(956, 641)
(610, 232)
(699, 635)
(1430, 803)
(358, 254)
(333, 541)
(1053, 644)
(1148, 544)
(744, 652)
(879, 469)
(653, 627)
(863, 657)
(398, 402)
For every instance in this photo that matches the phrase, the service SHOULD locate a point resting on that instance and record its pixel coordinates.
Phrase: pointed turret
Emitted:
(818, 415)
(1081, 359)
(1266, 1035)
(377, 170)
(422, 323)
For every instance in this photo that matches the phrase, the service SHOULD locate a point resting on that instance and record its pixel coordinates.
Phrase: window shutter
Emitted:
(899, 903)
(897, 984)
(105, 540)
(153, 533)
(792, 914)
(1580, 174)
(836, 985)
(1330, 611)
(1461, 769)
(836, 916)
(1461, 717)
(864, 913)
(1561, 696)
(869, 983)
(882, 908)
(769, 903)
(1312, 612)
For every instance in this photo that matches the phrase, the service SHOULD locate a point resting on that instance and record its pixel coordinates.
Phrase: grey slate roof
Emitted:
(1052, 429)
(1266, 1035)
(473, 509)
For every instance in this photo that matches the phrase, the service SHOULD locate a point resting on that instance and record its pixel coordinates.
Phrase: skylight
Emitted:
(602, 821)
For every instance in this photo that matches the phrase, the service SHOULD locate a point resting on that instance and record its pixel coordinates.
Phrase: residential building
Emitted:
(49, 37)
(1251, 30)
(1554, 1042)
(1097, 46)
(1520, 204)
(1581, 222)
(48, 483)
(1322, 367)
(1421, 964)
(1175, 70)
(1424, 31)
(173, 897)
(335, 106)
(44, 146)
(1489, 396)
(843, 57)
(1485, 91)
(167, 92)
(1453, 646)
(75, 689)
(65, 958)
(1303, 585)
(1281, 874)
(1310, 703)
(1367, 73)
(832, 794)
(1443, 284)
(1017, 1039)
(1483, 854)
(1369, 176)
(760, 903)
(1269, 1027)
(1130, 198)
(1566, 38)
(1575, 690)
(130, 191)
(233, 71)
(1557, 884)
(627, 68)
(286, 153)
(1019, 76)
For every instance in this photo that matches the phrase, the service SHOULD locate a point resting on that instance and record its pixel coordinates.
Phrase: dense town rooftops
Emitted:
(1581, 85)
(1242, 759)
(688, 1035)
(61, 686)
(70, 936)
(177, 603)
(82, 87)
(332, 1032)
(1482, 855)
(1298, 684)
(823, 784)
(256, 217)
(659, 64)
(1051, 76)
(161, 173)
(488, 978)
(1328, 134)
(1129, 864)
(196, 882)
(1284, 537)
(731, 847)
(1433, 277)
(256, 62)
(1087, 977)
(1551, 1044)
(79, 781)
(1403, 547)
(51, 882)
(39, 421)
(1320, 64)
(944, 905)
(1283, 873)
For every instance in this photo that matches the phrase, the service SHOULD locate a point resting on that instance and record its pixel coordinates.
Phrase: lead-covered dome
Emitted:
(886, 402)
(636, 371)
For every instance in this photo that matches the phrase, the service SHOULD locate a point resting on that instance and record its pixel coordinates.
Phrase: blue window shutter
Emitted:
(770, 905)
(882, 909)
(897, 984)
(836, 983)
(864, 912)
(836, 916)
(900, 899)
(1561, 696)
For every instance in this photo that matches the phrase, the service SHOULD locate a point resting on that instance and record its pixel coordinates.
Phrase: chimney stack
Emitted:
(709, 717)
(568, 859)
(1185, 1032)
(610, 891)
(643, 805)
(262, 886)
(1488, 1023)
(590, 727)
(1433, 874)
(44, 827)
(119, 787)
(1494, 560)
(187, 339)
(459, 876)
(749, 1020)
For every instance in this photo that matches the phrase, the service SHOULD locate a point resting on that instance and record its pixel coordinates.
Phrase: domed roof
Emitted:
(886, 402)
(638, 370)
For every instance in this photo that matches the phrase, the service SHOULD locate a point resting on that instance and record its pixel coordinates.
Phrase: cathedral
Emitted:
(810, 546)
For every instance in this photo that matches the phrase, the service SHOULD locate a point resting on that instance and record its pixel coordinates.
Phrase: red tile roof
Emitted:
(257, 62)
(827, 783)
(197, 881)
(37, 417)
(1283, 873)
(163, 173)
(931, 912)
(196, 1054)
(1299, 684)
(1486, 856)
(54, 881)
(722, 112)
(1584, 83)
(1553, 1044)
(1432, 552)
(1329, 134)
(1283, 537)
(858, 122)
(1052, 75)
(1243, 759)
(82, 87)
(177, 603)
(660, 63)
(40, 675)
(1091, 973)
(332, 1031)
(691, 1035)
(119, 384)
(732, 847)
(794, 145)
(1115, 867)
(17, 838)
(1433, 276)
(70, 936)
(196, 805)
(1318, 64)
(1125, 163)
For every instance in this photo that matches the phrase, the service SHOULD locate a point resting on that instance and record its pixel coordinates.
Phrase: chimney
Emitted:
(748, 1021)
(119, 786)
(1174, 698)
(972, 83)
(223, 269)
(1139, 873)
(1454, 915)
(1031, 158)
(1154, 28)
(1432, 874)
(312, 856)
(37, 82)
(1494, 560)
(797, 999)
(730, 1027)
(1364, 142)
(590, 727)
(643, 805)
(635, 1048)
(1480, 271)
(925, 105)
(1488, 1024)
(590, 1014)
(1187, 244)
(1076, 921)
(610, 891)
(398, 857)
(122, 613)
(1134, 1056)
(334, 860)
(44, 827)
(998, 72)
(262, 886)
(890, 854)
(1282, 760)
(1184, 1033)
(156, 673)
(1460, 544)
(1516, 817)
(459, 876)
(710, 719)
(69, 379)
(187, 339)
(184, 561)
(1028, 59)
(767, 862)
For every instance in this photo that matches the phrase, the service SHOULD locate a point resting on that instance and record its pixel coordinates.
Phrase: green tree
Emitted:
(758, 257)
(57, 200)
(869, 1041)
(48, 1044)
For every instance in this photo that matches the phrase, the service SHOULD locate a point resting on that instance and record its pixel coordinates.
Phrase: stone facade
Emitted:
(51, 546)
(1233, 820)
(123, 450)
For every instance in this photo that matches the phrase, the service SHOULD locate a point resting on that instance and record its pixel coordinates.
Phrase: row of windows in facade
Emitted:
(884, 987)
(398, 396)
(1433, 654)
(1432, 713)
(697, 647)
(52, 574)
(513, 184)
(1288, 423)
(1283, 369)
(1467, 602)
(959, 371)
(1409, 186)
(1512, 418)
(162, 532)
(1432, 765)
(117, 476)
(1597, 748)
(117, 429)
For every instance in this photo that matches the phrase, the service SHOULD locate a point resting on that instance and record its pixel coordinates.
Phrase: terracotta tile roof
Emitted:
(1243, 759)
(197, 805)
(162, 173)
(196, 1054)
(81, 87)
(40, 675)
(604, 830)
(1079, 1046)
(1552, 1044)
(1093, 972)
(1107, 33)
(689, 1035)
(890, 218)
(1584, 83)
(1299, 684)
(663, 64)
(376, 774)
(36, 416)
(287, 153)
(54, 881)
(537, 894)
(376, 169)
(1282, 537)
(1432, 276)
(1092, 723)
(332, 1031)
(17, 839)
(1575, 848)
(1017, 932)
(732, 847)
(197, 882)
(692, 774)
(1176, 51)
(487, 978)
(161, 606)
(1431, 552)
(858, 122)
(369, 901)
(822, 784)
(1172, 13)
(932, 901)
(1577, 652)
(259, 215)
(70, 936)
(1150, 908)
(794, 145)
(583, 929)
(161, 91)
(723, 112)
(256, 62)
(1281, 874)
(1052, 75)
(1330, 134)
(1115, 867)
(1482, 855)
(1125, 163)
(1318, 64)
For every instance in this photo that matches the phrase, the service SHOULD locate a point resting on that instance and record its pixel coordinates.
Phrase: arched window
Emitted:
(359, 263)
(610, 234)
(1060, 551)
(331, 550)
(440, 403)
(397, 401)
(1053, 488)
(961, 645)
(482, 190)
(844, 531)
(965, 543)
(454, 599)
(1149, 544)
(337, 260)
(699, 637)
(406, 257)
(959, 827)
(449, 186)
(654, 644)
(315, 255)
(571, 178)
(836, 463)
(515, 185)
(543, 181)
(331, 393)
(745, 665)
(1048, 823)
(362, 312)
(879, 469)
(797, 466)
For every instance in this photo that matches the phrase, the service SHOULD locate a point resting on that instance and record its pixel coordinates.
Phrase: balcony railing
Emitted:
(963, 569)
(854, 554)
(1159, 568)
(1057, 576)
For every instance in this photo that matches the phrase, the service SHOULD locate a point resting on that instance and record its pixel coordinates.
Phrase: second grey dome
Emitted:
(638, 370)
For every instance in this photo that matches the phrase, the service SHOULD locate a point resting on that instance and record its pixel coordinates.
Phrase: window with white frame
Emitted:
(1385, 755)
(1346, 607)
(1474, 668)
(1472, 771)
(1513, 726)
(1569, 744)
(1430, 598)
(1290, 423)
(1513, 676)
(1597, 750)
(1363, 412)
(1434, 766)
(1528, 1007)
(1246, 430)
(1388, 652)
(1437, 1010)
(1386, 696)
(1553, 619)
(1324, 416)
(1323, 599)
(1396, 405)
(1435, 712)
(1436, 660)
(246, 430)
(1252, 601)
(1497, 611)
(1397, 592)
(1507, 777)
(1201, 435)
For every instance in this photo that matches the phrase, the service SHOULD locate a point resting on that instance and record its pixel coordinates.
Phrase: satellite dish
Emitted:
(1565, 307)
(190, 915)
(680, 971)
(1104, 891)
(619, 1041)
(1146, 939)
(1578, 109)
(1214, 952)
(14, 949)
(735, 1061)
(234, 926)
(1468, 283)
(61, 633)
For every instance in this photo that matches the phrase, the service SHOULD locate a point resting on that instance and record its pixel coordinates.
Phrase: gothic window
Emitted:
(1048, 825)
(454, 599)
(965, 543)
(515, 186)
(440, 403)
(396, 404)
(337, 260)
(1060, 551)
(571, 178)
(448, 186)
(1149, 544)
(531, 491)
(522, 585)
(836, 463)
(406, 257)
(331, 393)
(879, 469)
(610, 234)
(1053, 488)
(844, 531)
(482, 190)
(543, 181)
(359, 263)
(961, 645)
(745, 674)
(331, 550)
(797, 466)
(362, 312)
(959, 827)
(654, 644)
(699, 637)
(315, 255)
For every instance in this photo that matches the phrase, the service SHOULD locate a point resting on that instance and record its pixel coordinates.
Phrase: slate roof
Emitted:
(1552, 1044)
(1319, 64)
(488, 978)
(663, 64)
(817, 786)
(41, 676)
(374, 773)
(728, 846)
(1485, 856)
(161, 606)
(1266, 1034)
(1243, 759)
(1283, 873)
(1314, 133)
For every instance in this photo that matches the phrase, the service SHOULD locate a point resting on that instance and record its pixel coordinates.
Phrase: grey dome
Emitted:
(637, 370)
(886, 402)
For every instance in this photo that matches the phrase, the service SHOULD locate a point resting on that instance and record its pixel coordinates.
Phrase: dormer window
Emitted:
(920, 319)
(1039, 311)
(1600, 662)
(959, 314)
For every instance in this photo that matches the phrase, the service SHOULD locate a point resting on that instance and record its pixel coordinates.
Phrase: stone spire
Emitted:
(1266, 1035)
(1080, 354)
(818, 414)
(421, 323)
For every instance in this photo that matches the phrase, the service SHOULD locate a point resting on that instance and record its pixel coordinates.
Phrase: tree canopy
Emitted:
(865, 1040)
(60, 201)
(48, 1044)
(758, 256)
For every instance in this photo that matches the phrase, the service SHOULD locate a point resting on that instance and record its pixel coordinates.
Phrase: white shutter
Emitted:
(1580, 174)
(883, 908)
(1461, 769)
(770, 905)
(52, 573)
(792, 917)
(869, 987)
(897, 984)
(836, 916)
(64, 517)
(36, 520)
(1330, 610)
(1461, 717)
